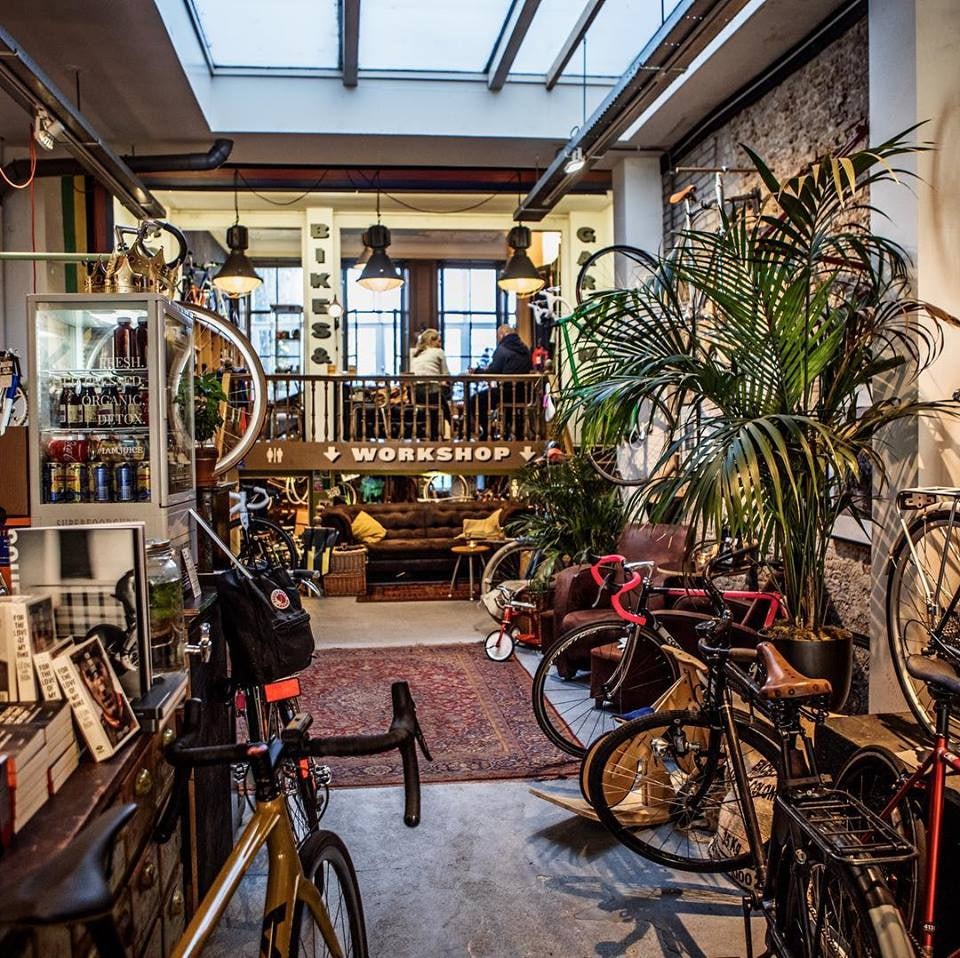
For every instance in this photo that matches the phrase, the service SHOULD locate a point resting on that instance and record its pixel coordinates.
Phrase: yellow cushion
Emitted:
(487, 528)
(366, 529)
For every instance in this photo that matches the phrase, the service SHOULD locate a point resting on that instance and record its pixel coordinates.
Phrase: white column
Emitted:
(638, 203)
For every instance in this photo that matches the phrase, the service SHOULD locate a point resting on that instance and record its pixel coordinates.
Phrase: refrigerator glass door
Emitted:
(177, 355)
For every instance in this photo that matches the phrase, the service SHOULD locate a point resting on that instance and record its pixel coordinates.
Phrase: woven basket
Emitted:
(349, 559)
(345, 583)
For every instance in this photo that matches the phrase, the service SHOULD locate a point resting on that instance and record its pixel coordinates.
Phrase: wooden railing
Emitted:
(347, 408)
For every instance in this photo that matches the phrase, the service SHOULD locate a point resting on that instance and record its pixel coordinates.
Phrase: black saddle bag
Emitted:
(267, 630)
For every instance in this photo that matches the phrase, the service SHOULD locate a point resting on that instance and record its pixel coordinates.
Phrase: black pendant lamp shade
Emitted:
(379, 274)
(237, 277)
(520, 275)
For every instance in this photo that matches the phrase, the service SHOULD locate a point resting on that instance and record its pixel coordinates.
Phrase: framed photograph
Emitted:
(96, 576)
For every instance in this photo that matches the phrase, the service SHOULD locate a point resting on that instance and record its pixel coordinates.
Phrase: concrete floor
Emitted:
(492, 871)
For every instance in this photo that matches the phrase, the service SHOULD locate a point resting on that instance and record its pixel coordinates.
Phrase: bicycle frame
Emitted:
(286, 885)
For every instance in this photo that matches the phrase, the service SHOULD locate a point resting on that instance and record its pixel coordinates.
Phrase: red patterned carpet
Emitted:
(475, 714)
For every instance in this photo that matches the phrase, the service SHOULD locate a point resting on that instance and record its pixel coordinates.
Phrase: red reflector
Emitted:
(284, 689)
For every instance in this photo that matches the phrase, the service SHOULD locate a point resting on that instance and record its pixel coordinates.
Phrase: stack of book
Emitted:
(38, 752)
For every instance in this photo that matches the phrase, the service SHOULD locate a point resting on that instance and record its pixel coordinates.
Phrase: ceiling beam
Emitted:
(510, 41)
(579, 31)
(350, 41)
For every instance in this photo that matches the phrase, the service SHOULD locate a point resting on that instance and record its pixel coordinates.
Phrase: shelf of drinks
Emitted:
(92, 430)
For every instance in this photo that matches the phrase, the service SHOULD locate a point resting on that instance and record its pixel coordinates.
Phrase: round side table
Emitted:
(471, 550)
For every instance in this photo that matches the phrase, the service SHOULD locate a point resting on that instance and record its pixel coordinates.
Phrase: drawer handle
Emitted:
(143, 784)
(204, 647)
(176, 903)
(148, 877)
(168, 736)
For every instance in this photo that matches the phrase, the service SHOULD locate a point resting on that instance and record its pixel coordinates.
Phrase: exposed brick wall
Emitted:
(813, 112)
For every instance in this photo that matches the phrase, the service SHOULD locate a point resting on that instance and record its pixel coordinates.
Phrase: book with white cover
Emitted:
(26, 627)
(99, 704)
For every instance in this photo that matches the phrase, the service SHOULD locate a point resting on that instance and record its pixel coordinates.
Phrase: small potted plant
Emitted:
(208, 394)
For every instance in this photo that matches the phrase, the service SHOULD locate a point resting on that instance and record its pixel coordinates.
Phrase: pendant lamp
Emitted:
(379, 274)
(237, 277)
(520, 275)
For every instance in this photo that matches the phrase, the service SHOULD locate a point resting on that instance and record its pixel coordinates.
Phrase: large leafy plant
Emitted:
(208, 394)
(574, 514)
(764, 345)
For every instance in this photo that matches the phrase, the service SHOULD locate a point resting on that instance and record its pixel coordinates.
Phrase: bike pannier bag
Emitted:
(267, 631)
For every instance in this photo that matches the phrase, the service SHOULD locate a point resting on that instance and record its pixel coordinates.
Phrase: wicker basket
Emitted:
(348, 571)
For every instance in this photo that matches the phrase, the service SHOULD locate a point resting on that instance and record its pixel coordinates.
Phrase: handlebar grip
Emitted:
(595, 569)
(411, 782)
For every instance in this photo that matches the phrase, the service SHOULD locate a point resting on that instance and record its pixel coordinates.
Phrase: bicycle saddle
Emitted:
(681, 195)
(935, 672)
(784, 681)
(74, 885)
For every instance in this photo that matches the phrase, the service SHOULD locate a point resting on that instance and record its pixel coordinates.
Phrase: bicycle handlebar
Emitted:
(404, 734)
(605, 581)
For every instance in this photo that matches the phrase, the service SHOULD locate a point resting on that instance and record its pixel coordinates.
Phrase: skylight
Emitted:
(280, 35)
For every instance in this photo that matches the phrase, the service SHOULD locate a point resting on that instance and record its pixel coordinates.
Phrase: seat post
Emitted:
(942, 703)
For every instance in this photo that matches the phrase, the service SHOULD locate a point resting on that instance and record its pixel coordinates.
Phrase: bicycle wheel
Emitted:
(327, 864)
(614, 268)
(936, 543)
(513, 562)
(832, 910)
(265, 545)
(663, 786)
(872, 775)
(575, 705)
(498, 645)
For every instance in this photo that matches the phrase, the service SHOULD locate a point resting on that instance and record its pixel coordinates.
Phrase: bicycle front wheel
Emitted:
(663, 785)
(327, 864)
(935, 542)
(585, 680)
(836, 911)
(265, 545)
(873, 775)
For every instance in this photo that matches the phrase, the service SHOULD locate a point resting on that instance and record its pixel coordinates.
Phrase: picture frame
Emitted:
(96, 575)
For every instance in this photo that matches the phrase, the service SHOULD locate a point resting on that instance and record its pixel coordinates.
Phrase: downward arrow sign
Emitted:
(527, 453)
(332, 453)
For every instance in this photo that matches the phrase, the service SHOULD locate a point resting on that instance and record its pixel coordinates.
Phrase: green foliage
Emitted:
(794, 336)
(207, 396)
(574, 512)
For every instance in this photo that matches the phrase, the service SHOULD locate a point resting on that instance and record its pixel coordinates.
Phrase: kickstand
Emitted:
(747, 930)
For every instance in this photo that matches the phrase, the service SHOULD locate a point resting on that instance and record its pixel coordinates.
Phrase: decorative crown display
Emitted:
(136, 268)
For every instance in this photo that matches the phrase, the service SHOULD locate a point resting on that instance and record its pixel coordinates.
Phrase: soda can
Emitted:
(53, 482)
(75, 485)
(101, 482)
(125, 481)
(143, 481)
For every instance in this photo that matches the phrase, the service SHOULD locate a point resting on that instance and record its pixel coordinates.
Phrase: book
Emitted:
(99, 703)
(63, 767)
(52, 718)
(26, 628)
(25, 779)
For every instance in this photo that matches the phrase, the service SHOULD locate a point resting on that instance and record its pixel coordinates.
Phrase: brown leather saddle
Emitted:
(784, 681)
(681, 195)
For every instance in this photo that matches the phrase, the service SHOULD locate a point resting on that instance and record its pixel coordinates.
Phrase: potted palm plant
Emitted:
(778, 349)
(208, 394)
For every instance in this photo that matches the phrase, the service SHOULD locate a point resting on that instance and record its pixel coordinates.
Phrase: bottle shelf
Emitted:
(130, 430)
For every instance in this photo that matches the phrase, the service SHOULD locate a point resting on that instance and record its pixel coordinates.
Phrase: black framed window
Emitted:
(375, 326)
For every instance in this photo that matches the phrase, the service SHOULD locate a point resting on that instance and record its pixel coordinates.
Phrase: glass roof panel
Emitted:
(620, 31)
(282, 34)
(429, 36)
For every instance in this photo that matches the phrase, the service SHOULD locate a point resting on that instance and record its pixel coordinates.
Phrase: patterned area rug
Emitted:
(416, 591)
(475, 714)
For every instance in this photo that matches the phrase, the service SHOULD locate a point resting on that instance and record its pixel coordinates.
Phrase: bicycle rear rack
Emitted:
(845, 830)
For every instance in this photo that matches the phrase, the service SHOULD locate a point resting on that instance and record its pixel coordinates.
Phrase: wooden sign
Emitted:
(392, 457)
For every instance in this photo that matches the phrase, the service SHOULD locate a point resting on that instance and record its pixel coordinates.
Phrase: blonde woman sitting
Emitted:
(429, 359)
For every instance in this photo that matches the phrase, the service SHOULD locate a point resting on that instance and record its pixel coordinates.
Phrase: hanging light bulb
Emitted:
(520, 275)
(575, 161)
(379, 274)
(335, 309)
(237, 277)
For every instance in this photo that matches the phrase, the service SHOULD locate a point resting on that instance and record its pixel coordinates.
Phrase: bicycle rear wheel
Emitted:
(836, 911)
(663, 786)
(935, 541)
(327, 864)
(265, 545)
(872, 775)
(575, 704)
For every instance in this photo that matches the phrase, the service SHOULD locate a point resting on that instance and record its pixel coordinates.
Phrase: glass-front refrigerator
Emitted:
(111, 411)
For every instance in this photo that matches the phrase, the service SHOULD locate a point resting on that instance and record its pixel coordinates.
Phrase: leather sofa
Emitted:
(419, 534)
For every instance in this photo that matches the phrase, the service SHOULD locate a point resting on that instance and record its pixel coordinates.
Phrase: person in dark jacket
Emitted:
(510, 358)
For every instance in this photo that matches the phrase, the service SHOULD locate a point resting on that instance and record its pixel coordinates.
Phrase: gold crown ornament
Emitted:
(136, 268)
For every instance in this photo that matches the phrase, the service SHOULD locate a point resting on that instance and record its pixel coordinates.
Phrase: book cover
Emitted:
(99, 704)
(28, 626)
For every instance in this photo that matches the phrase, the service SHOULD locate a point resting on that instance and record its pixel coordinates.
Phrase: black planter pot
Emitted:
(830, 658)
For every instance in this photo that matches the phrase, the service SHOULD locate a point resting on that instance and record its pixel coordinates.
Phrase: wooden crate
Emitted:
(345, 583)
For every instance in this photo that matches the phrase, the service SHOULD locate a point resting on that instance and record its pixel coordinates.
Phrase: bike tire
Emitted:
(619, 267)
(872, 775)
(908, 621)
(852, 907)
(510, 563)
(564, 706)
(647, 811)
(264, 545)
(498, 645)
(326, 862)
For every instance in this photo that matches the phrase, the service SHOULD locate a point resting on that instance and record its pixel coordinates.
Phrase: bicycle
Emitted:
(713, 789)
(575, 702)
(313, 903)
(263, 544)
(912, 802)
(500, 643)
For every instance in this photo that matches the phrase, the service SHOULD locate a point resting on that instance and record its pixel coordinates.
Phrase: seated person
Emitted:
(510, 358)
(429, 359)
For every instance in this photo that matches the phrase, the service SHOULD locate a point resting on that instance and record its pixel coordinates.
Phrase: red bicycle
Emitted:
(607, 669)
(500, 643)
(913, 801)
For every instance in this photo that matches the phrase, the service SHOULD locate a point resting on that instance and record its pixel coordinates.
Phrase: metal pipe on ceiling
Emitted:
(682, 36)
